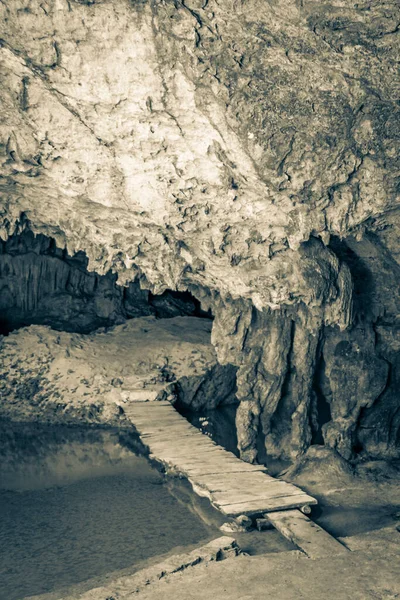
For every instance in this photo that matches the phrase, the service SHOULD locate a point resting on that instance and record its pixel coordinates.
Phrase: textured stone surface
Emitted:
(219, 147)
(172, 140)
(69, 378)
(355, 378)
(219, 549)
(40, 283)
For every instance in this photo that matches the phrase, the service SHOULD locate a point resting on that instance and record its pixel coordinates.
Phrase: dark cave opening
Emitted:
(40, 284)
(320, 407)
(363, 280)
(173, 304)
(321, 416)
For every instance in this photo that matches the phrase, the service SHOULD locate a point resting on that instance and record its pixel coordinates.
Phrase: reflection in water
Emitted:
(76, 504)
(35, 457)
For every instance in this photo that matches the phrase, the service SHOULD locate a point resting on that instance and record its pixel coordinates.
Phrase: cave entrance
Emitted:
(41, 284)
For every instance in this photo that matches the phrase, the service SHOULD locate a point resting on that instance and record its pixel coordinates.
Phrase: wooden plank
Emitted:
(167, 437)
(167, 430)
(192, 460)
(188, 432)
(189, 463)
(222, 468)
(252, 491)
(150, 404)
(158, 418)
(259, 506)
(233, 486)
(195, 449)
(228, 492)
(209, 464)
(190, 445)
(308, 536)
(232, 497)
(133, 411)
(152, 415)
(155, 430)
(155, 418)
(191, 442)
(149, 413)
(246, 490)
(201, 455)
(197, 452)
(163, 437)
(142, 408)
(227, 481)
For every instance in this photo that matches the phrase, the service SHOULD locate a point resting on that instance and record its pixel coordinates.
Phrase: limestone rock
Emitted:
(194, 148)
(42, 284)
(356, 378)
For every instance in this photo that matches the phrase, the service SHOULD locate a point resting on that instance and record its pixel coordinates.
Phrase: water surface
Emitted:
(76, 504)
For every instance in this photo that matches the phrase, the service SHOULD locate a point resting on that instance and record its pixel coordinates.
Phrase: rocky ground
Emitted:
(59, 377)
(72, 378)
(368, 572)
(287, 576)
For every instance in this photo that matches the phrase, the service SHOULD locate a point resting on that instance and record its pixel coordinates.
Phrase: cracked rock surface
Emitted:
(246, 151)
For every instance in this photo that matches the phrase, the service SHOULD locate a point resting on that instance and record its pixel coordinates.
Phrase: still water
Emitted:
(77, 504)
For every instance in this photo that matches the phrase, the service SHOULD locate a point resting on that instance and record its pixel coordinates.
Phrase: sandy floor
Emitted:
(284, 576)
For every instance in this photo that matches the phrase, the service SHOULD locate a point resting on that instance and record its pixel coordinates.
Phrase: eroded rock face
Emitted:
(40, 283)
(227, 148)
(301, 381)
(172, 140)
(355, 377)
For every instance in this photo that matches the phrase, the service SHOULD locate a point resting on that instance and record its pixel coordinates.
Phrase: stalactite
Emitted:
(41, 284)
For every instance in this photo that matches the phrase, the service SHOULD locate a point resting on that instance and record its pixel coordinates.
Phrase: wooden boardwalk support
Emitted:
(233, 486)
(308, 536)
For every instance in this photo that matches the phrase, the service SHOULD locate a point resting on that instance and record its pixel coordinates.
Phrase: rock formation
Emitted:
(245, 151)
(40, 283)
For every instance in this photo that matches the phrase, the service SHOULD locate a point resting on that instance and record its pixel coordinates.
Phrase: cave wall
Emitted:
(362, 364)
(246, 151)
(41, 284)
(301, 385)
(302, 381)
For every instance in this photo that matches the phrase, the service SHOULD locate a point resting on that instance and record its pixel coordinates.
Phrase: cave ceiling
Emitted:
(202, 144)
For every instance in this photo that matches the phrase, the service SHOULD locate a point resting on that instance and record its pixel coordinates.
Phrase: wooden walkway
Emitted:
(233, 486)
